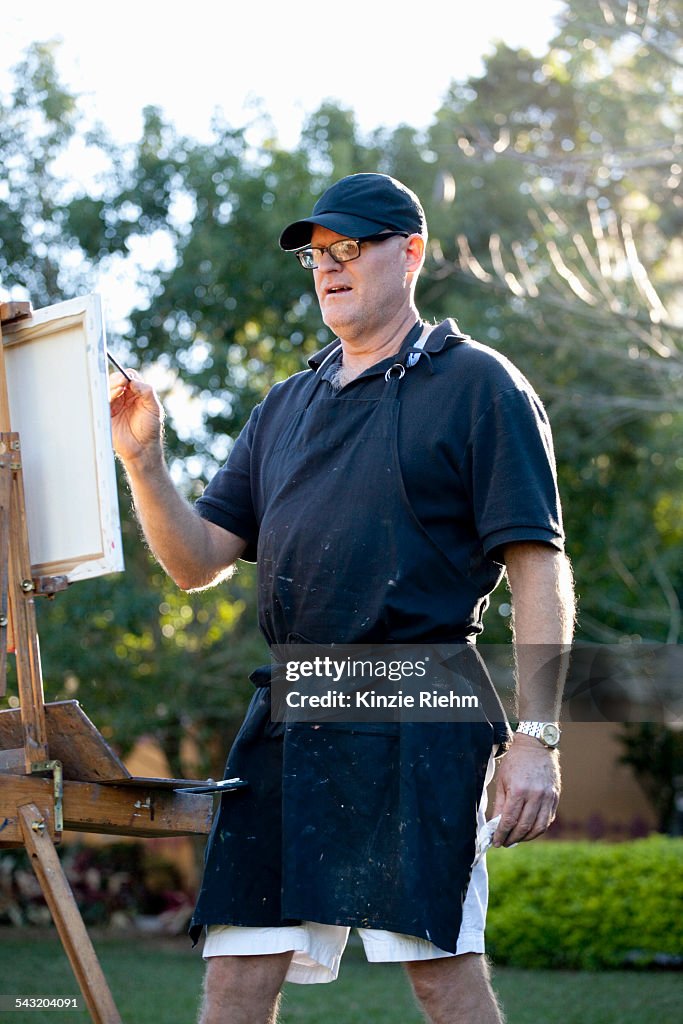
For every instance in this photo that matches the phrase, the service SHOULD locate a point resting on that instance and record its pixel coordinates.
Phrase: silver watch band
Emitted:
(547, 733)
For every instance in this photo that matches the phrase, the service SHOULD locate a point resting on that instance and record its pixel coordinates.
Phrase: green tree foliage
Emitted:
(37, 124)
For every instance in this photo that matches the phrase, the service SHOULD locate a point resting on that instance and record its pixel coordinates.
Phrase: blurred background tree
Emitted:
(552, 191)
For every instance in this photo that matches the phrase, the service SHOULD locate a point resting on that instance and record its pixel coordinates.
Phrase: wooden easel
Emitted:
(56, 770)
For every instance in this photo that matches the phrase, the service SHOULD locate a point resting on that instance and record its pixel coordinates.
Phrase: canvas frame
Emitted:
(57, 383)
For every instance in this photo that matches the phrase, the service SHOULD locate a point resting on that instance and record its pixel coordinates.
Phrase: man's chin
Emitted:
(339, 324)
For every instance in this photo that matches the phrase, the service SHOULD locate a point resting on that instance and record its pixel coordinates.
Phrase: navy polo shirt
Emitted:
(475, 452)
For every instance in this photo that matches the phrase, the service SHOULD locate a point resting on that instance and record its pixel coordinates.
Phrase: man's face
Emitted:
(360, 296)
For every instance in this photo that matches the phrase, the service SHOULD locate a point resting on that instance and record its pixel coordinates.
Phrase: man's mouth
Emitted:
(335, 289)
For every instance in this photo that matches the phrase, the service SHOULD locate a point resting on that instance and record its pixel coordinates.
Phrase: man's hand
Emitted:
(194, 552)
(136, 416)
(527, 791)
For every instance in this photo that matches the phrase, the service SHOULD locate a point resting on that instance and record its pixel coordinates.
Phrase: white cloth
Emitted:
(318, 948)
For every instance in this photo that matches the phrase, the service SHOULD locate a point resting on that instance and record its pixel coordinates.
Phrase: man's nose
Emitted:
(327, 263)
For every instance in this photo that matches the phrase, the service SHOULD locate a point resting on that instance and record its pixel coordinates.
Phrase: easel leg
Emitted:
(5, 492)
(67, 918)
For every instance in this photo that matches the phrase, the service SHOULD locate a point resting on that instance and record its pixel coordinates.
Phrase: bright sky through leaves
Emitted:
(389, 62)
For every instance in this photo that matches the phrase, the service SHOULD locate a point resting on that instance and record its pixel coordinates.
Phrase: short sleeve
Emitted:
(227, 500)
(512, 473)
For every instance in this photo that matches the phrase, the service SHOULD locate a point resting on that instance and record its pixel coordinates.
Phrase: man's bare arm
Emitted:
(194, 552)
(528, 786)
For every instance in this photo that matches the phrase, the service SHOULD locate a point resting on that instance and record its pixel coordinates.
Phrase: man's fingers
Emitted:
(514, 828)
(132, 392)
(527, 792)
(525, 817)
(117, 384)
(120, 384)
(510, 814)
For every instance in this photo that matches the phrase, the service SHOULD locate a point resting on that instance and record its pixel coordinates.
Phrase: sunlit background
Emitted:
(390, 61)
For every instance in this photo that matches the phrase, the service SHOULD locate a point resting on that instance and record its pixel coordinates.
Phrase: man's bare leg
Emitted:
(455, 990)
(243, 989)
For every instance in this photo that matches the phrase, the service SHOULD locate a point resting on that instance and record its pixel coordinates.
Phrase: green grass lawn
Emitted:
(158, 982)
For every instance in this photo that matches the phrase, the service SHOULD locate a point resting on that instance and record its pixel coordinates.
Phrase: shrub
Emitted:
(583, 905)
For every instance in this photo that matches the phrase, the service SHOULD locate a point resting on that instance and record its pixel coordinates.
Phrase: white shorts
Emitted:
(318, 948)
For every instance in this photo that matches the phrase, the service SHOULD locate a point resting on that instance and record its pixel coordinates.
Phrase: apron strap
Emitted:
(397, 371)
(415, 350)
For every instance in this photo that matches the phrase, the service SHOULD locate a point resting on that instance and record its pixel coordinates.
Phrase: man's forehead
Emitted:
(324, 236)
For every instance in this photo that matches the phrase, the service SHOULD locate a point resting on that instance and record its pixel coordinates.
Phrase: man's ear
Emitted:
(415, 253)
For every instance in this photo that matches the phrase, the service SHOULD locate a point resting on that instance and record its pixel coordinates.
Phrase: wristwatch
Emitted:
(548, 733)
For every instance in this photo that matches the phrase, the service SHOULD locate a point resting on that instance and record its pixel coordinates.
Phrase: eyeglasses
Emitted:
(342, 251)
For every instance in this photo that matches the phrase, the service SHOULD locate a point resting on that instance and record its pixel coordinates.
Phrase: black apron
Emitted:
(368, 824)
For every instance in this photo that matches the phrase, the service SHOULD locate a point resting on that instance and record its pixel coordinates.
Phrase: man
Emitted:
(383, 492)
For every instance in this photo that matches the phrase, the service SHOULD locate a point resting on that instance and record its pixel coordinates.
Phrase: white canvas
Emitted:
(56, 369)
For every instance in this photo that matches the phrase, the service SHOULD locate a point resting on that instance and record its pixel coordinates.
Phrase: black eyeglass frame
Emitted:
(381, 237)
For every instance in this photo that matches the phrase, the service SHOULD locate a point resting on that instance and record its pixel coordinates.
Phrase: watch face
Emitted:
(550, 734)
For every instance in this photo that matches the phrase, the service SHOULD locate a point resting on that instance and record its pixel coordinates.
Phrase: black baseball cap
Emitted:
(358, 206)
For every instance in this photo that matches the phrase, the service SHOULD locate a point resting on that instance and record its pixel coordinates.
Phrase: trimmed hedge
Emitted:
(586, 906)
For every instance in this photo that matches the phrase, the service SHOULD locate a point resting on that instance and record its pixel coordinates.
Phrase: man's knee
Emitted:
(454, 988)
(427, 975)
(243, 982)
